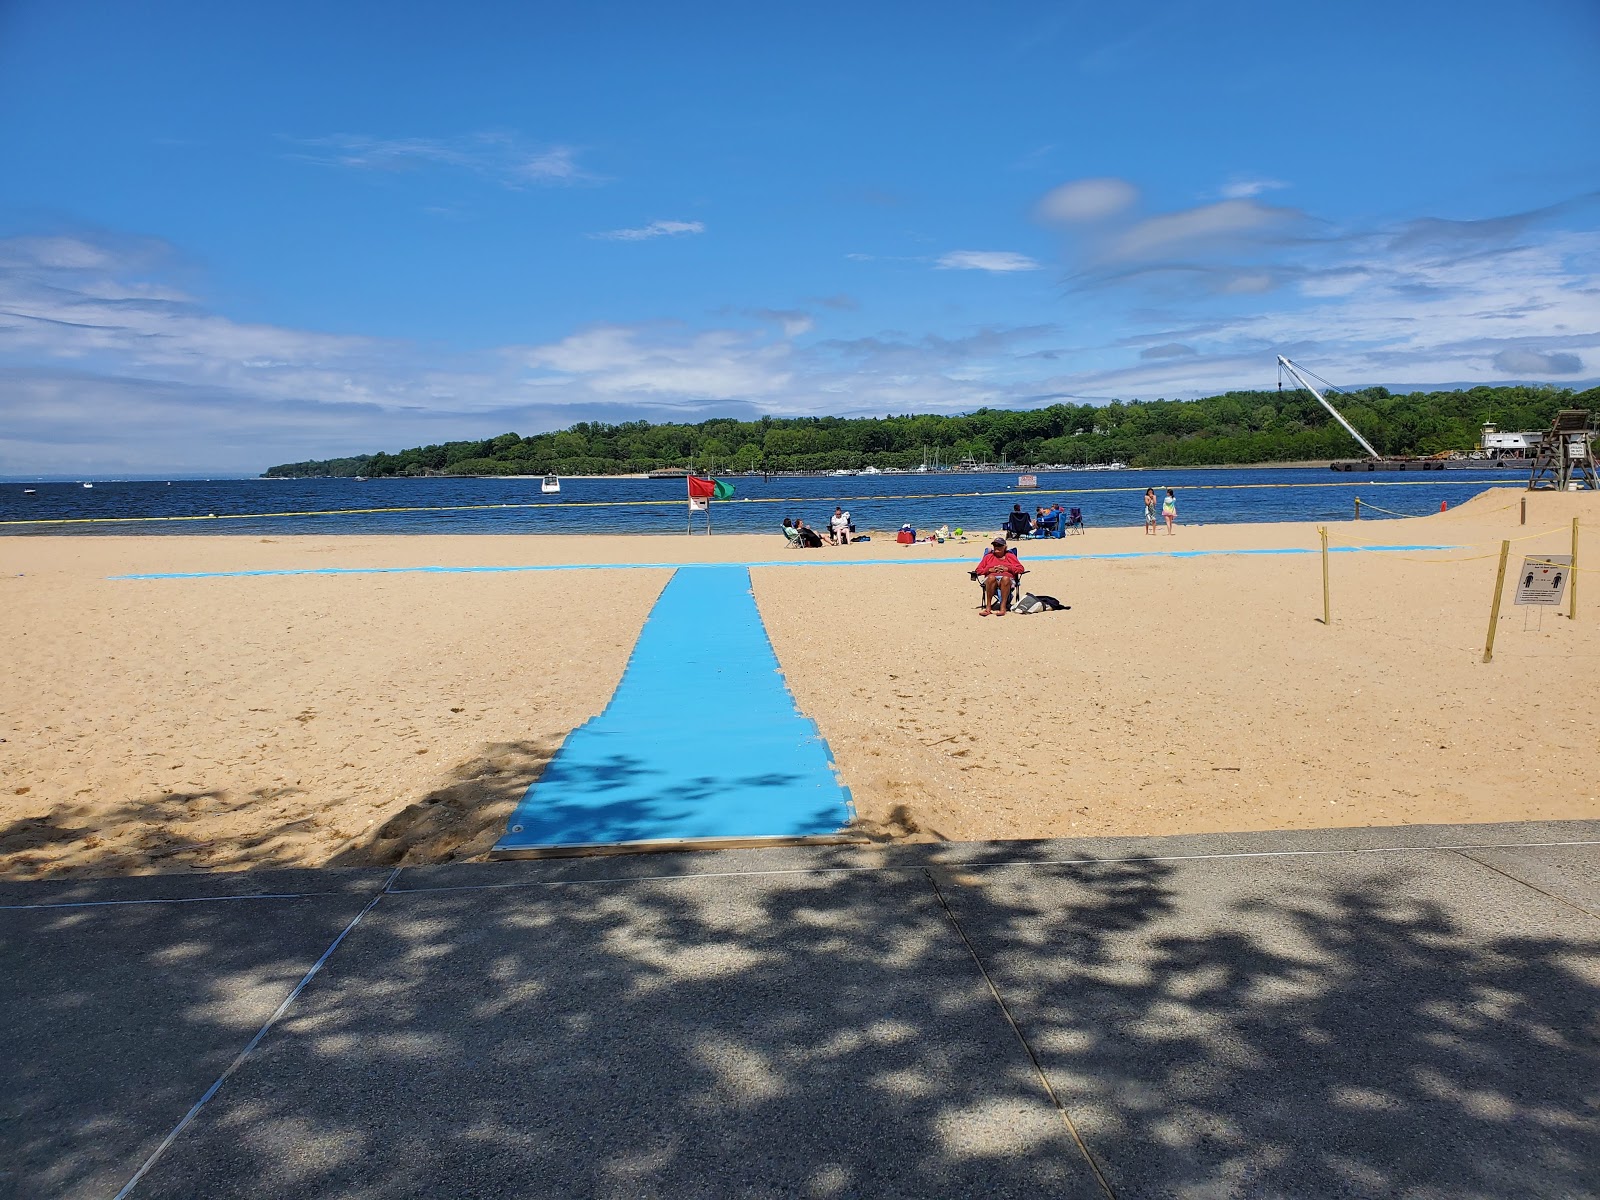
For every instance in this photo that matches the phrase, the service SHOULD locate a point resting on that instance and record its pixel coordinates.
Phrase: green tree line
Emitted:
(1233, 428)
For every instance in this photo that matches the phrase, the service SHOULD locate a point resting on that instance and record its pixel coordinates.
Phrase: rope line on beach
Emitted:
(1473, 558)
(1012, 492)
(1390, 512)
(1528, 537)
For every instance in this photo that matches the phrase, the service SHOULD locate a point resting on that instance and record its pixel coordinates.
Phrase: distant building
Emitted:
(1509, 445)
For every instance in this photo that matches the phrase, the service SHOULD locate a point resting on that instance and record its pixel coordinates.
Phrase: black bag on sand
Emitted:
(1032, 604)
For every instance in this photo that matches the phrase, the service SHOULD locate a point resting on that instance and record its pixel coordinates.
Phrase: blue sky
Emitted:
(235, 235)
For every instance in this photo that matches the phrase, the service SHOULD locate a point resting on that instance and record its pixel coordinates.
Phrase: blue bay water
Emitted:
(881, 502)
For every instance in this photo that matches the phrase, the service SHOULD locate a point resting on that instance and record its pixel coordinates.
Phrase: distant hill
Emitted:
(1233, 428)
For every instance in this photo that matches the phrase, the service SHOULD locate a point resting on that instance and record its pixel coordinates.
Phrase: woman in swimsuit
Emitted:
(1169, 510)
(1150, 510)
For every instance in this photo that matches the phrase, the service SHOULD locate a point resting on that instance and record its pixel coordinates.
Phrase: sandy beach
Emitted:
(180, 724)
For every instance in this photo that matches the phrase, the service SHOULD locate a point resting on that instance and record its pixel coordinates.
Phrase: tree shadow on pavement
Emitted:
(819, 1027)
(1353, 1030)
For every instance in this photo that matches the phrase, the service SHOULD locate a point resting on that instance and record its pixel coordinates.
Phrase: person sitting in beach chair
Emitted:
(810, 539)
(791, 535)
(999, 570)
(1047, 522)
(839, 527)
(1074, 521)
(1018, 523)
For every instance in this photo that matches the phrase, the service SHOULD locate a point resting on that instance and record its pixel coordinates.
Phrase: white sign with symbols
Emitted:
(1543, 579)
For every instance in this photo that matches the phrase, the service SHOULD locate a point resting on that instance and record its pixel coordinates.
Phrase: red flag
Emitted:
(708, 489)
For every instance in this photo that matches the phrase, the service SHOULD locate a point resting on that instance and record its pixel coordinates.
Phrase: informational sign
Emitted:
(698, 503)
(1027, 481)
(1543, 579)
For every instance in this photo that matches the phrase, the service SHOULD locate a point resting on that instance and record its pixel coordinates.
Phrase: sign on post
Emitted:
(1543, 579)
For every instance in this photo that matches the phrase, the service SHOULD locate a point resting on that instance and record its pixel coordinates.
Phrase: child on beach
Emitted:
(1150, 510)
(1169, 510)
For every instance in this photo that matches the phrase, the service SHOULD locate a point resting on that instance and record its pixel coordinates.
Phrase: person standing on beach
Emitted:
(1169, 510)
(1150, 510)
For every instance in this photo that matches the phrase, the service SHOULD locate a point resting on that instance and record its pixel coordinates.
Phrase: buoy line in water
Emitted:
(1013, 492)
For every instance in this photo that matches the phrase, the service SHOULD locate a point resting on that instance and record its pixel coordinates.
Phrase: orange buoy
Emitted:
(1443, 504)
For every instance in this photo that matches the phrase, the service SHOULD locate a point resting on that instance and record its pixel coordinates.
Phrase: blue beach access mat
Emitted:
(702, 739)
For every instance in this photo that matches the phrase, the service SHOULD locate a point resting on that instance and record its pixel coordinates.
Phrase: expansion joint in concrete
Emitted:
(1535, 887)
(1038, 1067)
(239, 1059)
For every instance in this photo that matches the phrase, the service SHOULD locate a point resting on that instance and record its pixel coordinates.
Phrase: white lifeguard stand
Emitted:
(1565, 460)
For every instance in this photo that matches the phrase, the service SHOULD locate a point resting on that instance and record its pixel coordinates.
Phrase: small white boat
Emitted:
(550, 484)
(88, 485)
(30, 491)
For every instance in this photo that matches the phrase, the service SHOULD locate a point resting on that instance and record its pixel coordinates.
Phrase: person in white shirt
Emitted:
(839, 526)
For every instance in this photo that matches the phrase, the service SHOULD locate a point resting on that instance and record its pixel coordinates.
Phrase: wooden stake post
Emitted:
(1572, 579)
(1327, 618)
(1494, 609)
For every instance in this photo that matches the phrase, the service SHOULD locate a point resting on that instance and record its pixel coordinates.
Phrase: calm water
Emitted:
(602, 505)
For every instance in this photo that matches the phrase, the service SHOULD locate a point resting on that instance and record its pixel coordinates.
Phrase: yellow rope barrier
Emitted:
(1012, 492)
(1528, 537)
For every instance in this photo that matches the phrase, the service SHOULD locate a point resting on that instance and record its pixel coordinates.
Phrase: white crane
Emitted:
(1306, 383)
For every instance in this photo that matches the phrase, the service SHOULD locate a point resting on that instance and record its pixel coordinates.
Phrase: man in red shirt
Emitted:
(1000, 570)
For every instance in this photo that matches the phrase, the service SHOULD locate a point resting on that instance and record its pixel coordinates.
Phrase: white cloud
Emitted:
(1224, 221)
(622, 360)
(998, 261)
(103, 360)
(792, 321)
(653, 230)
(555, 165)
(1243, 189)
(504, 157)
(1086, 200)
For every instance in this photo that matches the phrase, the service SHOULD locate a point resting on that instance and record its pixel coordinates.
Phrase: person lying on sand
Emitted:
(999, 570)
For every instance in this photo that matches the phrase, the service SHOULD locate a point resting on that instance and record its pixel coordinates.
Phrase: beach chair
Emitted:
(791, 538)
(1016, 588)
(1074, 522)
(1049, 525)
(1018, 524)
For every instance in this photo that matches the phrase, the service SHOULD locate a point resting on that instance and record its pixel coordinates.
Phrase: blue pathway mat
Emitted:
(702, 739)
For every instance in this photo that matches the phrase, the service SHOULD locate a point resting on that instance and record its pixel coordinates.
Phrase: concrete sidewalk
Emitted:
(1374, 1012)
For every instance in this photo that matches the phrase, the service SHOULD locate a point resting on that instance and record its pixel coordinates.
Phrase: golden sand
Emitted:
(222, 723)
